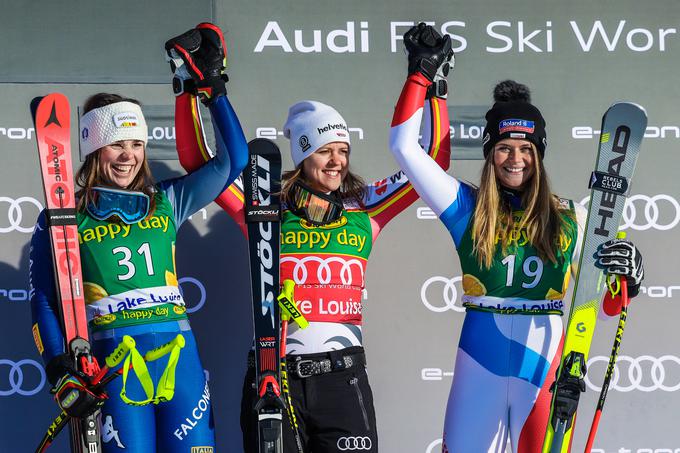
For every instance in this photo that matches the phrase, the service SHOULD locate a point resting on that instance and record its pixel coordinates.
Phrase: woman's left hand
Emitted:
(621, 257)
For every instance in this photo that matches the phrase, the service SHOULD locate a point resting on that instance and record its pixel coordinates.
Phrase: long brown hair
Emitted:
(353, 187)
(89, 174)
(543, 219)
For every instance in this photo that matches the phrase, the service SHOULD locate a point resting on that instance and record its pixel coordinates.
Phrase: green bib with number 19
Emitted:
(519, 271)
(118, 257)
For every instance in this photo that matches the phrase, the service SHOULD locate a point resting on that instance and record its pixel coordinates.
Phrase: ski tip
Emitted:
(34, 106)
(263, 146)
(628, 104)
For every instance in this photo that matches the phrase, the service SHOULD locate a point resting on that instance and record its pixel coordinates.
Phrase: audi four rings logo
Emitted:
(323, 272)
(15, 214)
(354, 443)
(645, 373)
(201, 288)
(19, 382)
(642, 212)
(446, 299)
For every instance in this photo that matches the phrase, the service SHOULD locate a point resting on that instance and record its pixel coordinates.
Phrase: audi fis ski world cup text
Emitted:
(500, 36)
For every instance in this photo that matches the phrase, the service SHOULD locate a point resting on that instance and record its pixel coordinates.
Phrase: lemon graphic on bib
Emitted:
(554, 295)
(171, 277)
(472, 286)
(93, 292)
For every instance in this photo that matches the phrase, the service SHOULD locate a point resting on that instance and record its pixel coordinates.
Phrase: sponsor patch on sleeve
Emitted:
(37, 339)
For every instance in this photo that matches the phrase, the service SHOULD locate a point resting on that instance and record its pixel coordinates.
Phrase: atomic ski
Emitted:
(51, 116)
(623, 126)
(261, 182)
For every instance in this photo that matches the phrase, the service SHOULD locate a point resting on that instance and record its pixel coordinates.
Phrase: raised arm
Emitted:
(212, 177)
(198, 60)
(388, 197)
(428, 65)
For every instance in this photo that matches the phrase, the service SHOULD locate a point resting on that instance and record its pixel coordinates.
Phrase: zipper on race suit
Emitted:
(354, 382)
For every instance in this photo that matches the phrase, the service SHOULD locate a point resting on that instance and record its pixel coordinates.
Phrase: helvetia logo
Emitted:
(304, 143)
(331, 127)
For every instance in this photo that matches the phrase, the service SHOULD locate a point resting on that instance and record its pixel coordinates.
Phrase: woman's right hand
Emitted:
(72, 389)
(198, 59)
(77, 397)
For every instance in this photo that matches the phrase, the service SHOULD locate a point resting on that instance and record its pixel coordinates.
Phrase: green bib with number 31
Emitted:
(117, 257)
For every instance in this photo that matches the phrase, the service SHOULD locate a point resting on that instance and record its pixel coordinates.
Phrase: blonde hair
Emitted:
(492, 222)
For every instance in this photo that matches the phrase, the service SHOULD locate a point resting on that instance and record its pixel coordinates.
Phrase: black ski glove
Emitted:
(75, 396)
(198, 58)
(621, 257)
(71, 388)
(430, 54)
(58, 366)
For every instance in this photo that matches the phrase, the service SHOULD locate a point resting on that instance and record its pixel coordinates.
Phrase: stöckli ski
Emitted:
(261, 181)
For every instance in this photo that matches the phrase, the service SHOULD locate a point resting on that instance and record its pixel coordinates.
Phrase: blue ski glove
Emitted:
(621, 257)
(198, 58)
(431, 55)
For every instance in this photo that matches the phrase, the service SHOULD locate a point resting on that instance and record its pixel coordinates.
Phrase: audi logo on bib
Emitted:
(18, 381)
(354, 443)
(439, 294)
(15, 214)
(315, 269)
(645, 373)
(642, 212)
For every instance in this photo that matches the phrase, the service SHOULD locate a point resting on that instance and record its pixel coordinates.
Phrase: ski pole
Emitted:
(289, 309)
(100, 381)
(623, 288)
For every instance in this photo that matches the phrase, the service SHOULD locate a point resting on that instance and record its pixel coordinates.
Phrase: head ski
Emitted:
(623, 127)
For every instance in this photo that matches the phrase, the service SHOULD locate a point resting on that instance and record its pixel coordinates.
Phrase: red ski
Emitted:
(52, 119)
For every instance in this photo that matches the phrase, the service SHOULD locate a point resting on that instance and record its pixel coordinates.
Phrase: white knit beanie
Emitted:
(108, 124)
(310, 125)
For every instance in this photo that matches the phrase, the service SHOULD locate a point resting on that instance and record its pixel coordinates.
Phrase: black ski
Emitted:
(262, 182)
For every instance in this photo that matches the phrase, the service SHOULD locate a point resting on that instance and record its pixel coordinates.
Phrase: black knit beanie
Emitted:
(513, 116)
